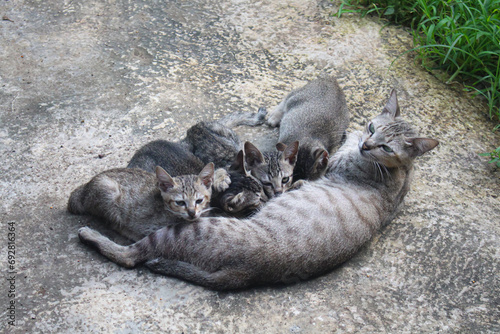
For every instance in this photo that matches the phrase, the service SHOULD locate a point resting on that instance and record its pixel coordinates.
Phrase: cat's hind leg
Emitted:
(126, 256)
(224, 279)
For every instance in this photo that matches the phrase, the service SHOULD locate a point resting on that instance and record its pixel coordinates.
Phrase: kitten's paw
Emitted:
(276, 115)
(273, 120)
(222, 180)
(89, 236)
(297, 185)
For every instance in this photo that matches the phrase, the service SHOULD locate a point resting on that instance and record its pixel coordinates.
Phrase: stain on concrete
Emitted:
(84, 84)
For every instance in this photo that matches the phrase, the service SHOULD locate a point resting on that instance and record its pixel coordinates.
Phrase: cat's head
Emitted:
(245, 193)
(274, 169)
(391, 141)
(186, 196)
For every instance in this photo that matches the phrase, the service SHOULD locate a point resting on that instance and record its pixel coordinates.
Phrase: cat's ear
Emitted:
(253, 156)
(206, 175)
(321, 158)
(281, 147)
(290, 152)
(392, 106)
(165, 181)
(422, 145)
(239, 164)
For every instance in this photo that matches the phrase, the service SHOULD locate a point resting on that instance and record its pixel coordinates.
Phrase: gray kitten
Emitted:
(300, 234)
(273, 169)
(317, 116)
(216, 141)
(175, 158)
(137, 203)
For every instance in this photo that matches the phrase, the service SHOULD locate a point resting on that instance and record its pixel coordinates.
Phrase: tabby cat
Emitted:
(274, 169)
(137, 203)
(299, 234)
(216, 141)
(317, 116)
(175, 158)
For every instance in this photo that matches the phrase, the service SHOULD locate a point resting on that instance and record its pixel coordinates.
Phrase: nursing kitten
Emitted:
(244, 194)
(273, 169)
(175, 158)
(216, 141)
(137, 203)
(299, 234)
(317, 116)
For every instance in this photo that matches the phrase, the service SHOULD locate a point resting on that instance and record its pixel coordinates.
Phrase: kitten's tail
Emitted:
(75, 202)
(250, 119)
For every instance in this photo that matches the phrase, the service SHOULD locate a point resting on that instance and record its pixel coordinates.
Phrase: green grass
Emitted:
(461, 37)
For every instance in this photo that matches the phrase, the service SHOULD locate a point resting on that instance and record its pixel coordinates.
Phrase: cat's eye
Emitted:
(387, 149)
(267, 184)
(371, 128)
(199, 201)
(180, 203)
(285, 180)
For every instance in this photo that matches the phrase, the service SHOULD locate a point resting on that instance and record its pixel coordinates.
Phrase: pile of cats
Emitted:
(227, 216)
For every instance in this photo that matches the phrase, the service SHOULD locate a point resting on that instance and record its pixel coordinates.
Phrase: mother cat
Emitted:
(300, 234)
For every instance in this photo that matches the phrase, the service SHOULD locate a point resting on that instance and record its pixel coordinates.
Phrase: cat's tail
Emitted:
(249, 119)
(75, 202)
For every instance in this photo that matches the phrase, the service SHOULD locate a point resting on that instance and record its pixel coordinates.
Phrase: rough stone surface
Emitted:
(83, 84)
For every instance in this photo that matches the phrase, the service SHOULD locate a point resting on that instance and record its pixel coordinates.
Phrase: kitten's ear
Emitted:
(236, 198)
(290, 152)
(252, 154)
(422, 145)
(392, 106)
(280, 147)
(206, 175)
(239, 164)
(321, 158)
(165, 181)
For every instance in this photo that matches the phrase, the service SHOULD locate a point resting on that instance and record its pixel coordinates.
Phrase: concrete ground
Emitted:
(83, 84)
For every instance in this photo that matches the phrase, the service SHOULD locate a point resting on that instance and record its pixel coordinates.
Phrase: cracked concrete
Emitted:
(84, 84)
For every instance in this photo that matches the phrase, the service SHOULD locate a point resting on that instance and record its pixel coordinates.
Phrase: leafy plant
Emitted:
(494, 156)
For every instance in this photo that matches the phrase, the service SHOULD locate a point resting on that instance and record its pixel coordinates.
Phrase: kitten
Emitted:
(299, 234)
(317, 116)
(175, 158)
(244, 195)
(273, 169)
(216, 141)
(137, 203)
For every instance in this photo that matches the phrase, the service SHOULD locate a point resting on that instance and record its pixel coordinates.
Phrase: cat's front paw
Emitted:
(222, 180)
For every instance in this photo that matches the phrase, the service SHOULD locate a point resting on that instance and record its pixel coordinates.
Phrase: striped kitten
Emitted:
(137, 203)
(301, 233)
(273, 169)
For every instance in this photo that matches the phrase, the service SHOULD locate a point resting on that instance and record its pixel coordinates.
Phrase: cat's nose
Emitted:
(365, 147)
(192, 214)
